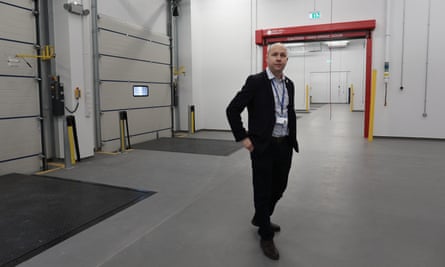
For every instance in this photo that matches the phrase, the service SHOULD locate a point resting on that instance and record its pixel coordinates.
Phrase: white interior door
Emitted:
(329, 87)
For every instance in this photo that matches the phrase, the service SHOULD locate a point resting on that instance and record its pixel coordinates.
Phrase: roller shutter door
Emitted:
(132, 56)
(20, 133)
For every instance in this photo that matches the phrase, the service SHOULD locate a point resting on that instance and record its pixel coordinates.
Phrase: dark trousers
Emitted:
(270, 174)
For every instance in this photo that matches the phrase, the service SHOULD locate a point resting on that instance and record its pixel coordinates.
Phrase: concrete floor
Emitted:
(350, 203)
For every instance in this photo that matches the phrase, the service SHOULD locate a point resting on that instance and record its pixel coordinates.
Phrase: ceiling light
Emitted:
(337, 43)
(290, 45)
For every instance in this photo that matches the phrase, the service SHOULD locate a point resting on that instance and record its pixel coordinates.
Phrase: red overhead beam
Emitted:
(330, 30)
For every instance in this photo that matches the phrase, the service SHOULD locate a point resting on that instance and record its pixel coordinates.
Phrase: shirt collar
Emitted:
(270, 75)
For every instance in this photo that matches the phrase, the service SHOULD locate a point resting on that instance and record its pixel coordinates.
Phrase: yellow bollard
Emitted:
(192, 126)
(71, 142)
(123, 121)
(122, 135)
(193, 121)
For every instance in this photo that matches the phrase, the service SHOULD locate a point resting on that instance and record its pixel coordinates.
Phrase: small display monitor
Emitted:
(140, 90)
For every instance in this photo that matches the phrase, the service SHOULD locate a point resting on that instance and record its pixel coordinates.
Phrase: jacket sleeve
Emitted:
(233, 111)
(292, 116)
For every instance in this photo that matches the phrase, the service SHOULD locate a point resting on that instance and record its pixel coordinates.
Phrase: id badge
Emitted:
(282, 120)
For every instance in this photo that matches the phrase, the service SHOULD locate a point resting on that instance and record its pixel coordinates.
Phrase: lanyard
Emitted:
(278, 96)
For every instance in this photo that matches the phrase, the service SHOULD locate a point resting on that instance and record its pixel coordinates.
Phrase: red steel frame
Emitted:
(323, 32)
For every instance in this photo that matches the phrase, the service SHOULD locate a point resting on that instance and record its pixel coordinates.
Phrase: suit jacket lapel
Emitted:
(269, 89)
(289, 89)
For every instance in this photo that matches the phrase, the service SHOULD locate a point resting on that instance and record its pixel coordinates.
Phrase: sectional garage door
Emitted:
(20, 133)
(131, 56)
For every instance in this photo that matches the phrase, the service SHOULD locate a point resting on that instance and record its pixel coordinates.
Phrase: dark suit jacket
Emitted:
(257, 96)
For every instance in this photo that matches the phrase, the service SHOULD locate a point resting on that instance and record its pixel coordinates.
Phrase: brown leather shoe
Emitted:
(269, 249)
(275, 227)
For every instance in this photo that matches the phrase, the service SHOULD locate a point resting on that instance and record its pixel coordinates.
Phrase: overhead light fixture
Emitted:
(290, 45)
(337, 44)
(76, 8)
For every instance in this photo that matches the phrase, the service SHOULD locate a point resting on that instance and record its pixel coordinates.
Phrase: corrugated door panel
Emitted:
(115, 95)
(122, 45)
(22, 3)
(18, 97)
(107, 22)
(140, 121)
(131, 55)
(17, 23)
(20, 133)
(11, 65)
(19, 138)
(26, 164)
(118, 69)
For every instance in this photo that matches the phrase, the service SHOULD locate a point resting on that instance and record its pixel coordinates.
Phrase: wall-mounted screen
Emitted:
(140, 90)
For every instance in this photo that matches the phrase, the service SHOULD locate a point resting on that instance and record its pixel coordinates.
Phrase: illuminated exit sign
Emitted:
(314, 15)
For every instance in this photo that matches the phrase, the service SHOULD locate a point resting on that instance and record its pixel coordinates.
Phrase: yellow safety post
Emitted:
(307, 97)
(192, 119)
(71, 142)
(122, 135)
(122, 119)
(371, 108)
(352, 97)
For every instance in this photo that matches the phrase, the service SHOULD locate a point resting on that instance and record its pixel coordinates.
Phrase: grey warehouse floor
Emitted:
(349, 203)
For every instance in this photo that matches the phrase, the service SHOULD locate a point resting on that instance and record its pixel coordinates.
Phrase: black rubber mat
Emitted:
(37, 212)
(191, 145)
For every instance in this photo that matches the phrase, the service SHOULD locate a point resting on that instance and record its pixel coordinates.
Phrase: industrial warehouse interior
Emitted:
(116, 150)
(349, 203)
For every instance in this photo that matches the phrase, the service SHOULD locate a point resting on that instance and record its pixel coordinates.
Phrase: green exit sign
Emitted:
(314, 15)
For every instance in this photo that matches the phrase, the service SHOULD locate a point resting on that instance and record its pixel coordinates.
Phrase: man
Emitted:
(271, 135)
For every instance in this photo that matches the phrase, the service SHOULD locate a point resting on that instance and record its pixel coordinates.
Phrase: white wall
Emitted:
(74, 66)
(221, 47)
(222, 30)
(403, 115)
